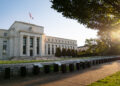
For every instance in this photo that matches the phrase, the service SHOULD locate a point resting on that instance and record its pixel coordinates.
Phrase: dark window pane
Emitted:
(24, 45)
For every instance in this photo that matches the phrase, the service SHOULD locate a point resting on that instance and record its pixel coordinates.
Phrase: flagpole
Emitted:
(31, 17)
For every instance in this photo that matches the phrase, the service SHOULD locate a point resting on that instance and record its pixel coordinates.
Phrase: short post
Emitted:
(97, 62)
(71, 67)
(23, 71)
(47, 68)
(56, 67)
(63, 68)
(7, 73)
(78, 66)
(83, 65)
(36, 70)
(89, 63)
(93, 62)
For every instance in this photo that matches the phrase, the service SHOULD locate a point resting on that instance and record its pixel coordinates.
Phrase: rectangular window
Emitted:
(49, 49)
(38, 46)
(24, 45)
(52, 49)
(5, 34)
(4, 47)
(31, 42)
(56, 46)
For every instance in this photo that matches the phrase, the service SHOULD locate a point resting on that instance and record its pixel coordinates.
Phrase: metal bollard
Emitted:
(63, 68)
(7, 73)
(36, 70)
(78, 66)
(71, 67)
(23, 71)
(47, 68)
(56, 68)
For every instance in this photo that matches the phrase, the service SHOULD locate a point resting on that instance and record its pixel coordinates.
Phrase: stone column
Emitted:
(50, 49)
(40, 47)
(54, 49)
(46, 54)
(28, 46)
(34, 46)
(21, 45)
(61, 47)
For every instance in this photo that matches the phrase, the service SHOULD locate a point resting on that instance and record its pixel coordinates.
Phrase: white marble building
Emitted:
(28, 40)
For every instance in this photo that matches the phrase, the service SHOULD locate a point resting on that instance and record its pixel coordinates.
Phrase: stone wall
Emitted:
(47, 67)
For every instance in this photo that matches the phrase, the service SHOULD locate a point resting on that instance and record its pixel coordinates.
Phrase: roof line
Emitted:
(29, 23)
(61, 38)
(25, 23)
(4, 29)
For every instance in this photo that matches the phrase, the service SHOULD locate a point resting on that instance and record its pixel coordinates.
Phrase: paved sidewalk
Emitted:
(79, 78)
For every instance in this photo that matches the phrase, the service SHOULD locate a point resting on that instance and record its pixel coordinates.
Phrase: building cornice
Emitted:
(61, 43)
(61, 38)
(30, 32)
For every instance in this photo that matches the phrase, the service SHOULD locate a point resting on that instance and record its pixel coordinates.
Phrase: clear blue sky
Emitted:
(54, 23)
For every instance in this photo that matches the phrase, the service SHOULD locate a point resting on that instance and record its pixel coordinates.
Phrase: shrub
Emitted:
(63, 52)
(68, 52)
(58, 52)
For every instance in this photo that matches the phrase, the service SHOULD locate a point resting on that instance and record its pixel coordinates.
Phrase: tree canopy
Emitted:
(95, 14)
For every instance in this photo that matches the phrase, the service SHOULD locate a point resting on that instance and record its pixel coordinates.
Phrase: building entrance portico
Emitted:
(30, 44)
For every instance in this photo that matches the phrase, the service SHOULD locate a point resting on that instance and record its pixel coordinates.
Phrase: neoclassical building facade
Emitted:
(28, 40)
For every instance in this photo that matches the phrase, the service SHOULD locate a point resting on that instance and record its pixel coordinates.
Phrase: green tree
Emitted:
(64, 52)
(96, 47)
(95, 14)
(102, 15)
(68, 52)
(76, 53)
(58, 52)
(72, 52)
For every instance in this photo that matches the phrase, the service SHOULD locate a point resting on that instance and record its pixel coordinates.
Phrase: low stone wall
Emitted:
(8, 71)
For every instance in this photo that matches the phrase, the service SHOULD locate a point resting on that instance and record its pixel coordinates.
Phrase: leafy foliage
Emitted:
(102, 15)
(96, 46)
(58, 52)
(95, 14)
(66, 52)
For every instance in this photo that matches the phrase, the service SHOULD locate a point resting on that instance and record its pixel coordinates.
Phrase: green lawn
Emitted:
(113, 80)
(31, 61)
(23, 61)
